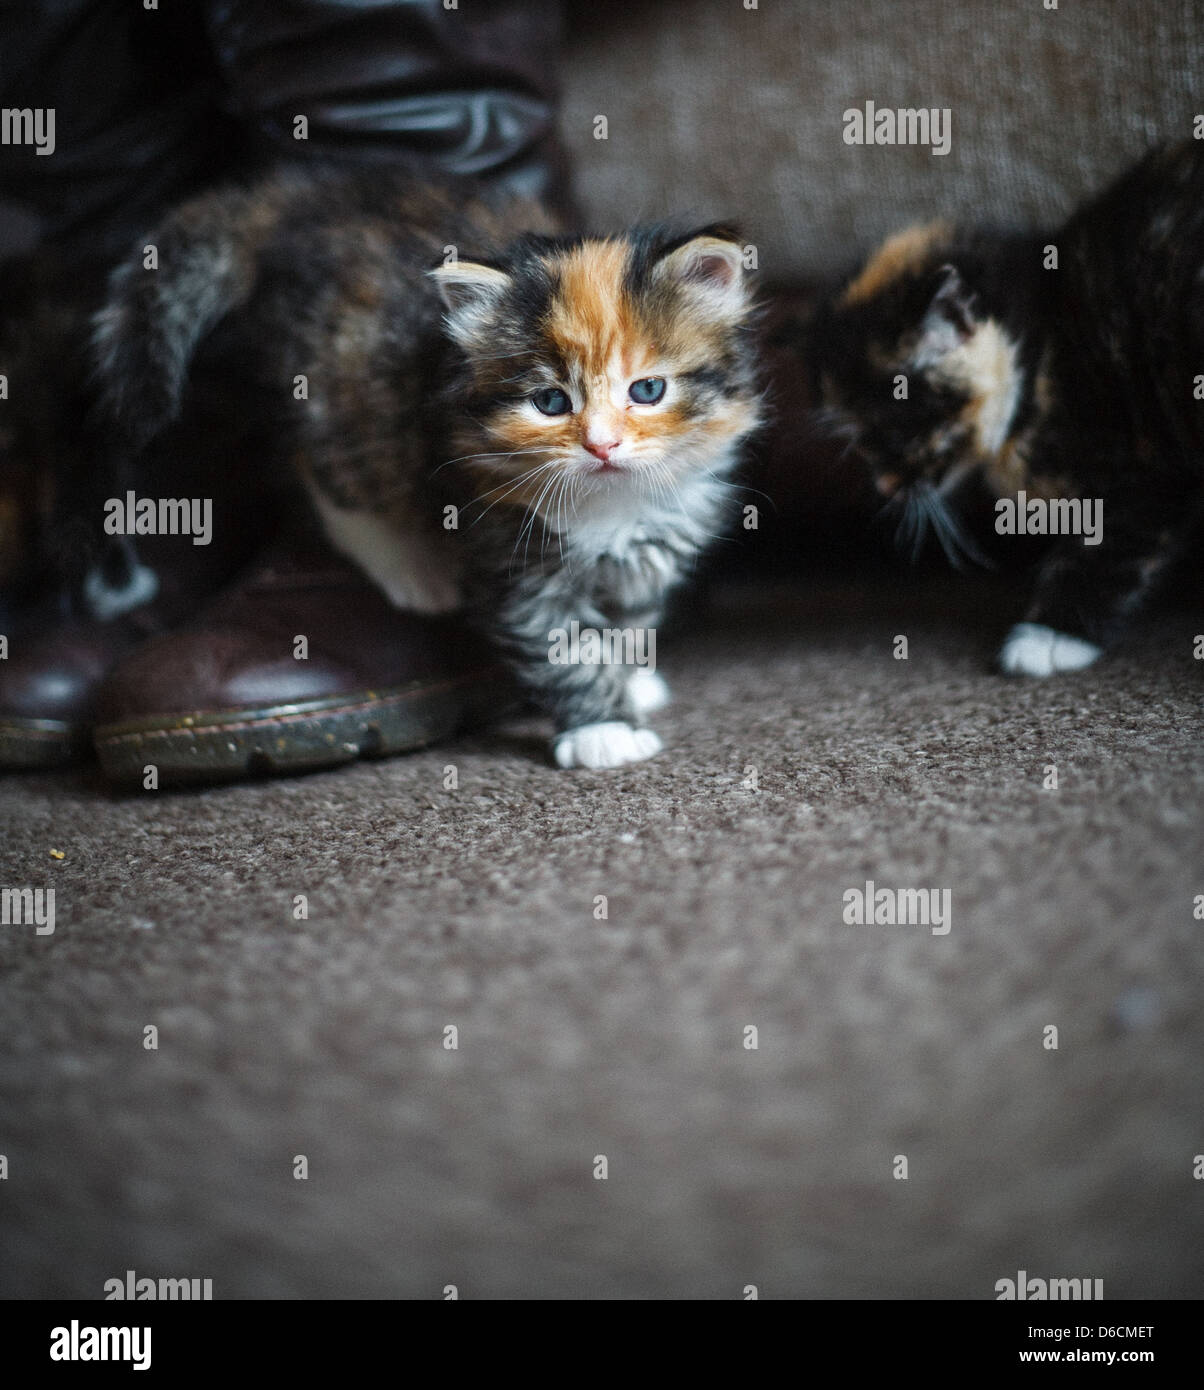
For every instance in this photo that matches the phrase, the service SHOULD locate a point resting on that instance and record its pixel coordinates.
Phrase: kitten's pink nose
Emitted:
(601, 451)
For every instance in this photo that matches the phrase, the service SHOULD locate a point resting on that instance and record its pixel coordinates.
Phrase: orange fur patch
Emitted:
(590, 319)
(899, 255)
(985, 367)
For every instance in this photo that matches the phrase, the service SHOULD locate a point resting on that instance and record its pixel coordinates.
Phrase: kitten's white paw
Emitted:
(604, 745)
(647, 691)
(1033, 650)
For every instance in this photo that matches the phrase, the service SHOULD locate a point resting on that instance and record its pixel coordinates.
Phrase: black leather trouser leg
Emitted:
(150, 105)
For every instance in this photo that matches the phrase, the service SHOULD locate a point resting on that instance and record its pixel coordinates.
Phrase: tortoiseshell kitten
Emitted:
(1075, 382)
(539, 427)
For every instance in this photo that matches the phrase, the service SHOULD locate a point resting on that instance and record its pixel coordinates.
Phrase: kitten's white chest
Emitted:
(622, 526)
(632, 549)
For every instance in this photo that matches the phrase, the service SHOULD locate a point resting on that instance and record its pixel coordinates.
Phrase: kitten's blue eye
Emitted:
(648, 390)
(552, 401)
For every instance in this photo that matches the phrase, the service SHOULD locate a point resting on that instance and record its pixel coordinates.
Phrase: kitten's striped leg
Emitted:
(558, 648)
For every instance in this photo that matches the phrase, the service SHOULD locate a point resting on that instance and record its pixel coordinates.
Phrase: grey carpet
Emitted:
(624, 1037)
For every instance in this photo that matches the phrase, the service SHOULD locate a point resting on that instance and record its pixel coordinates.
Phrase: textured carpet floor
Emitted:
(624, 1037)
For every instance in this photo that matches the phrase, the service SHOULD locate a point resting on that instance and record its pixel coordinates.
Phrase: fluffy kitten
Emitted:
(1074, 382)
(539, 427)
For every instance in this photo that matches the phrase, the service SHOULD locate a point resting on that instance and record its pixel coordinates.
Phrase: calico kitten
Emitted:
(538, 428)
(1075, 382)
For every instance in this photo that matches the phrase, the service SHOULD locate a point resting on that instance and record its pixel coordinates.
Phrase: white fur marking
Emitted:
(415, 567)
(1034, 650)
(610, 744)
(647, 691)
(107, 604)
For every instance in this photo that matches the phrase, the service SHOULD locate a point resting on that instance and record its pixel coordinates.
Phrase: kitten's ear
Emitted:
(950, 320)
(710, 267)
(470, 293)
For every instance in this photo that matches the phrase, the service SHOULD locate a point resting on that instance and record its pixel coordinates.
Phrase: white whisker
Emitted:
(493, 454)
(514, 486)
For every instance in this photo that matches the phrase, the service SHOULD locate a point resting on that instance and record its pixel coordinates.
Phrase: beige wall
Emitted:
(715, 110)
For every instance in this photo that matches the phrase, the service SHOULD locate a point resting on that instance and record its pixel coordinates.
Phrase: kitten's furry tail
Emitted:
(144, 338)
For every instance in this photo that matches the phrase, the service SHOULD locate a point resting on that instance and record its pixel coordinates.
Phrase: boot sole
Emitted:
(27, 745)
(227, 745)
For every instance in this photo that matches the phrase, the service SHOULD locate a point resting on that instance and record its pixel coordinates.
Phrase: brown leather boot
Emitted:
(60, 648)
(73, 597)
(48, 682)
(63, 637)
(303, 664)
